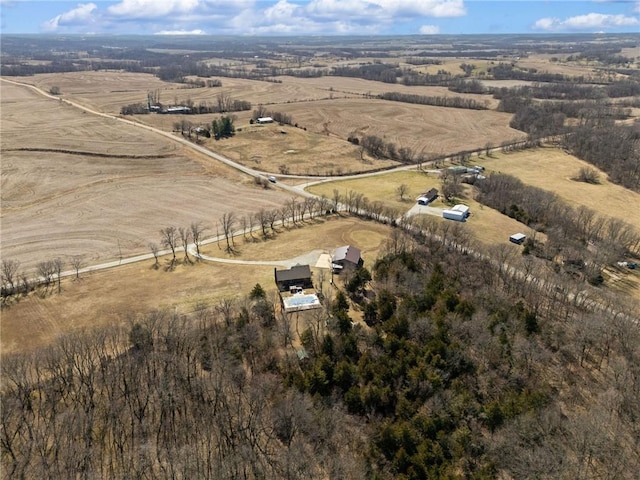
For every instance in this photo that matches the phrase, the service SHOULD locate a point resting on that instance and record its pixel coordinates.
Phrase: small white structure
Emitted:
(453, 215)
(262, 120)
(457, 212)
(518, 238)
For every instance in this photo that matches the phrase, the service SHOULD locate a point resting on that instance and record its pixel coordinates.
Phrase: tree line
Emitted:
(442, 101)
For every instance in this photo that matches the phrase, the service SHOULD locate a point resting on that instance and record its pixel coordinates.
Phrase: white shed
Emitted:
(462, 208)
(265, 120)
(518, 238)
(454, 215)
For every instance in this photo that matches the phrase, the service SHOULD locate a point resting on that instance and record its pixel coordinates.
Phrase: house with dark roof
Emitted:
(427, 197)
(298, 276)
(347, 256)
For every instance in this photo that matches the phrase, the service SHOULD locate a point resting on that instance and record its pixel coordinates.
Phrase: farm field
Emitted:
(310, 102)
(422, 128)
(118, 295)
(94, 187)
(552, 169)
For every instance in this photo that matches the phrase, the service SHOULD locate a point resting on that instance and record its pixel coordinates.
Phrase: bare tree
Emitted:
(451, 186)
(154, 250)
(487, 148)
(58, 265)
(402, 190)
(196, 234)
(244, 224)
(272, 216)
(185, 235)
(250, 220)
(170, 240)
(336, 199)
(263, 220)
(9, 271)
(77, 262)
(46, 270)
(228, 221)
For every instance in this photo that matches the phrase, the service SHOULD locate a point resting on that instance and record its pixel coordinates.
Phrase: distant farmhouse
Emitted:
(347, 256)
(262, 120)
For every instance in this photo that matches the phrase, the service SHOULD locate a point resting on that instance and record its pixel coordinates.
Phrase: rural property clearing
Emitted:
(116, 296)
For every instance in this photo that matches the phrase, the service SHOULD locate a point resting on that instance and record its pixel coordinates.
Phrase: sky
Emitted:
(319, 17)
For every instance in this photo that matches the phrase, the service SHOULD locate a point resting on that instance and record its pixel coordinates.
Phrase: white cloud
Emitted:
(82, 15)
(282, 10)
(152, 8)
(386, 8)
(429, 30)
(181, 32)
(588, 22)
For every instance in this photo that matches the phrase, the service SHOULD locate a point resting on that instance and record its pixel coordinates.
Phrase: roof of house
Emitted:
(518, 236)
(430, 193)
(348, 253)
(296, 272)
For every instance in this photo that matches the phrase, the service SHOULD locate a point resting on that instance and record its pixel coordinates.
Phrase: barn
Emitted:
(348, 256)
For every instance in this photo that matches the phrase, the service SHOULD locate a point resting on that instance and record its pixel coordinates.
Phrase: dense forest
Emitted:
(433, 363)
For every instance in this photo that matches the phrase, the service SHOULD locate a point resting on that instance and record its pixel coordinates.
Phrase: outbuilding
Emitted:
(347, 255)
(453, 215)
(518, 238)
(457, 212)
(262, 120)
(427, 197)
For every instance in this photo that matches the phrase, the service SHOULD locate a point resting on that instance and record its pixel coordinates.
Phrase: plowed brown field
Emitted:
(77, 184)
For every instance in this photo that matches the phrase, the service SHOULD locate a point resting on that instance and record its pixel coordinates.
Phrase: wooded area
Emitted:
(465, 368)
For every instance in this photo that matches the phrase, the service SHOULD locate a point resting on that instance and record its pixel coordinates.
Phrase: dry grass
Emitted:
(265, 147)
(383, 187)
(554, 170)
(114, 296)
(486, 225)
(98, 202)
(421, 128)
(317, 234)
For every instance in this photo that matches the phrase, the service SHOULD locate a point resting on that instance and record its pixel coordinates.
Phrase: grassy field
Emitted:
(382, 188)
(422, 128)
(485, 224)
(272, 148)
(118, 295)
(554, 170)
